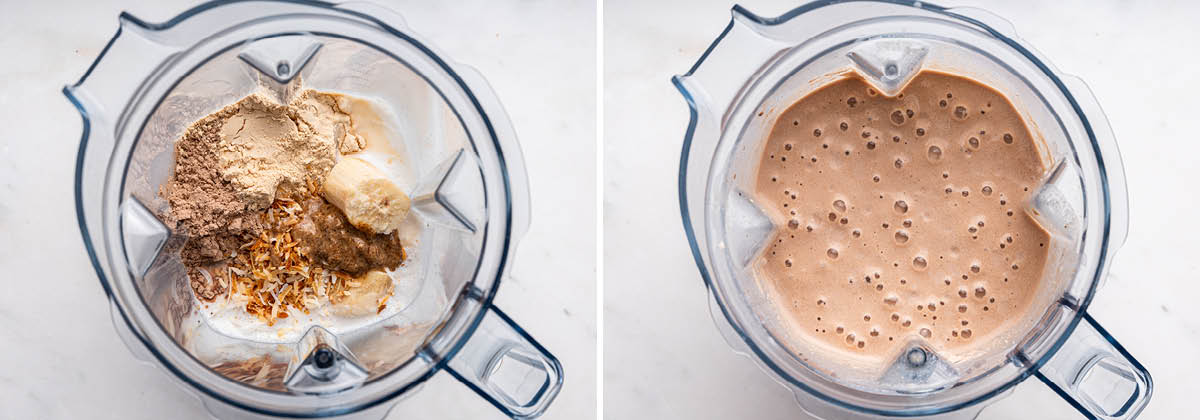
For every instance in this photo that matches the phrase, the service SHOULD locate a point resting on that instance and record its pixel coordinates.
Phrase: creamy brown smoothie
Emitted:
(901, 216)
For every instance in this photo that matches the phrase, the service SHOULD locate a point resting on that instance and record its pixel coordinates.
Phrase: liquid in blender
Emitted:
(901, 218)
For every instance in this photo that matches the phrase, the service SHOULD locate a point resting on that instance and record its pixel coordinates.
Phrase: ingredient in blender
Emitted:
(901, 217)
(367, 295)
(370, 201)
(261, 371)
(329, 239)
(273, 273)
(245, 194)
(266, 147)
(230, 164)
(204, 206)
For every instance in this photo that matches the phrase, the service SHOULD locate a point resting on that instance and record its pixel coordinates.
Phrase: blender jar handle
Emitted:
(1096, 375)
(507, 367)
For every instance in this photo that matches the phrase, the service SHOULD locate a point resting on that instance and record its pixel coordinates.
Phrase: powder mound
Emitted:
(266, 148)
(208, 284)
(203, 206)
(231, 164)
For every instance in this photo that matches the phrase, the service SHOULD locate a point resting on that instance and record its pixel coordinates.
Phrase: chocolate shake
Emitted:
(901, 217)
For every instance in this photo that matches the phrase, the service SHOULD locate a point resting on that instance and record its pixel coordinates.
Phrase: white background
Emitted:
(665, 359)
(59, 356)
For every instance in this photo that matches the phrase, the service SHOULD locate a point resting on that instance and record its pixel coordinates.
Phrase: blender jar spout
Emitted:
(108, 86)
(102, 97)
(745, 47)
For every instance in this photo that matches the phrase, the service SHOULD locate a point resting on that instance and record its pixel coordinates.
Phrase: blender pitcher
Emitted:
(462, 167)
(758, 66)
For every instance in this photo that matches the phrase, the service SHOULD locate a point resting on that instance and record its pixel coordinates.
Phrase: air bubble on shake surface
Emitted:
(832, 253)
(793, 224)
(926, 333)
(901, 237)
(1008, 138)
(839, 205)
(962, 307)
(899, 163)
(892, 300)
(919, 263)
(975, 268)
(973, 142)
(960, 112)
(897, 117)
(986, 190)
(980, 291)
(934, 153)
(900, 206)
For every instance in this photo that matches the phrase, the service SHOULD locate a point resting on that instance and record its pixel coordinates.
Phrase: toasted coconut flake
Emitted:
(276, 277)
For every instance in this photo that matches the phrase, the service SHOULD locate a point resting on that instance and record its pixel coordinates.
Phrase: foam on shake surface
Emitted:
(901, 217)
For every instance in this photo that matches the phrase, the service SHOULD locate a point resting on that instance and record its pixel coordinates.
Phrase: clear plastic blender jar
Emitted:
(470, 194)
(759, 66)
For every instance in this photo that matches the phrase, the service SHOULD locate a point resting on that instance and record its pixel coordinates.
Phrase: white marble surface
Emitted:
(665, 359)
(62, 359)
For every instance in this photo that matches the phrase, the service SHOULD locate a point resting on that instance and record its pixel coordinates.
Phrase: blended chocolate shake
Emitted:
(901, 217)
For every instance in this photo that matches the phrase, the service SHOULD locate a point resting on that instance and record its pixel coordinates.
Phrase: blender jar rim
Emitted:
(716, 296)
(480, 107)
